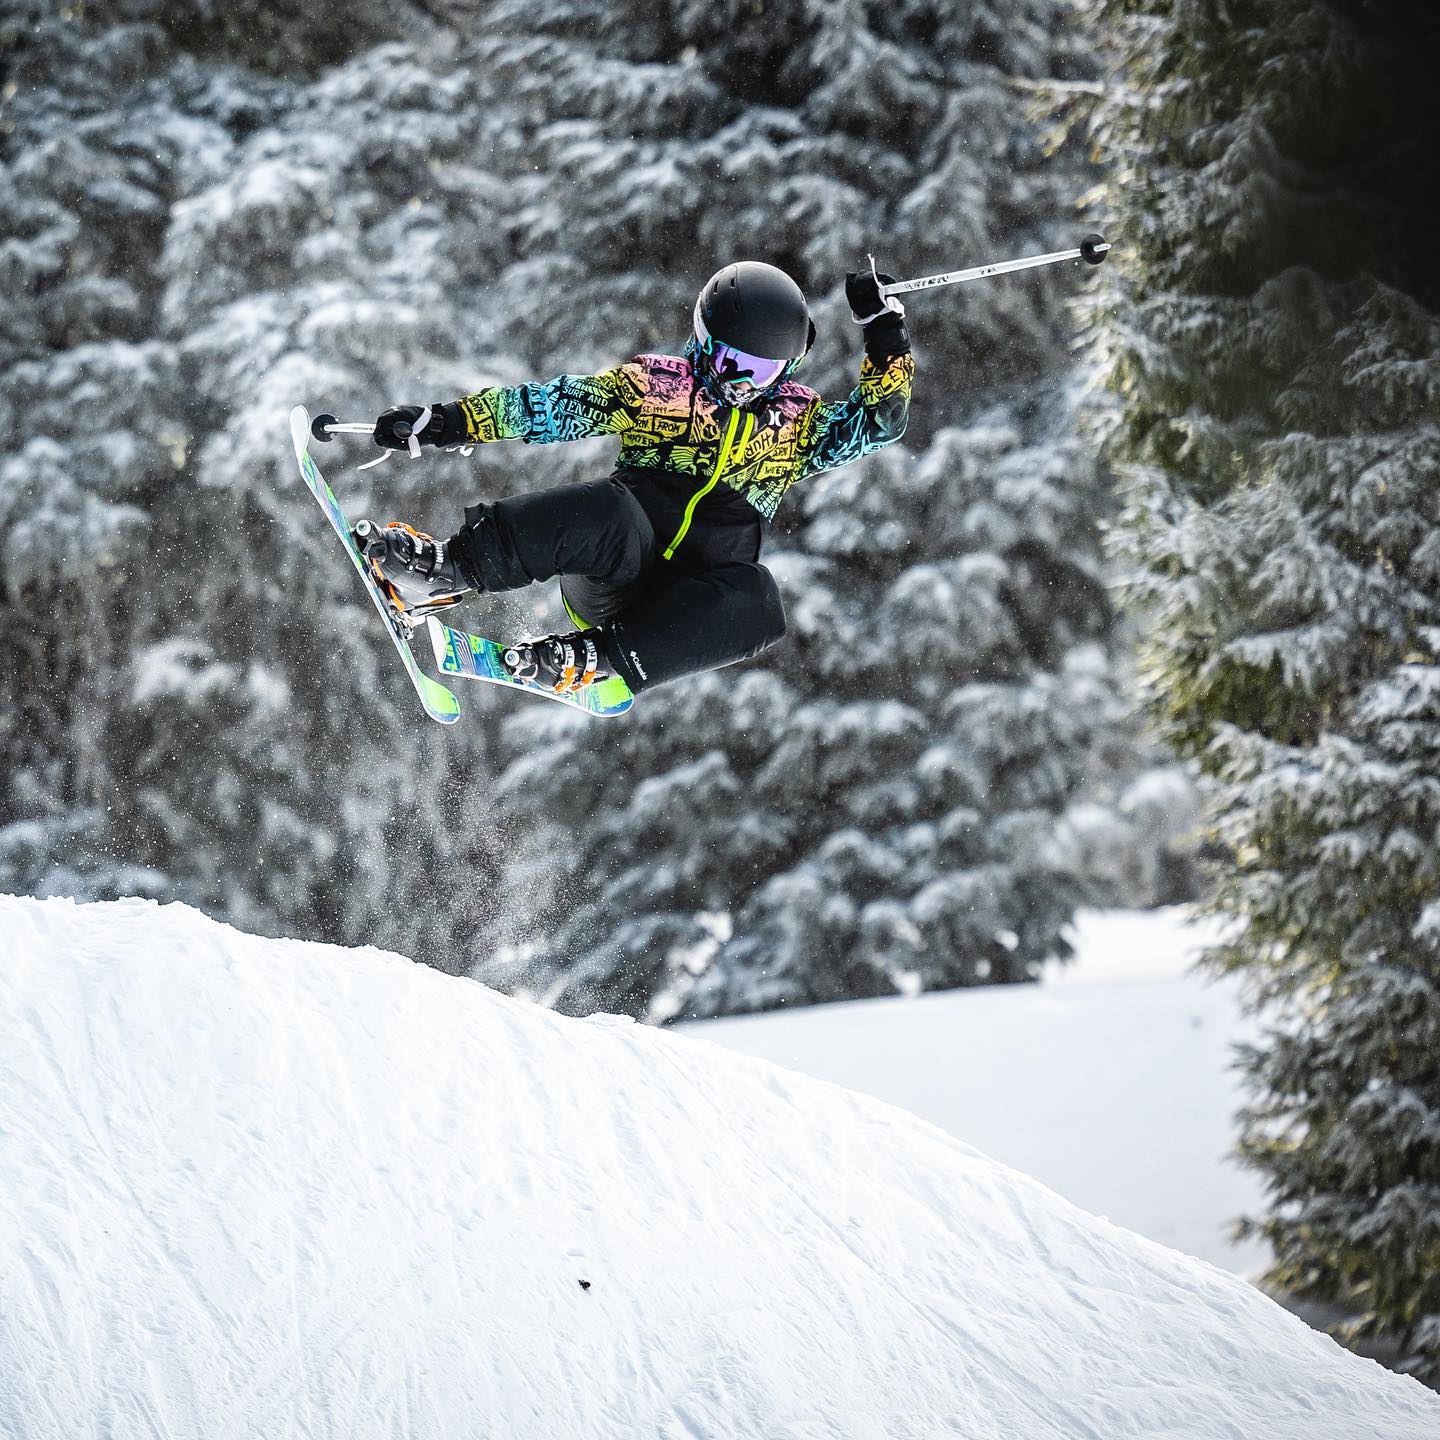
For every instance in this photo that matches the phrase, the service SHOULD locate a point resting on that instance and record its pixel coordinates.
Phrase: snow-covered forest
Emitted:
(1144, 608)
(915, 791)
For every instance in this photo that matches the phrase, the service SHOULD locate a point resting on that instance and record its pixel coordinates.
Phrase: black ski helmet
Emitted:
(754, 308)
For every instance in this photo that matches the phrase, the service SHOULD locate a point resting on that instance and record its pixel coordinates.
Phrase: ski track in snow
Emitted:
(261, 1188)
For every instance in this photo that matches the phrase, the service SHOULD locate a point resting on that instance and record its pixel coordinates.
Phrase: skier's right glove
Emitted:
(446, 426)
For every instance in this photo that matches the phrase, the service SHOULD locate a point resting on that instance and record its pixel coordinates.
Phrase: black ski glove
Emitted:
(882, 318)
(446, 426)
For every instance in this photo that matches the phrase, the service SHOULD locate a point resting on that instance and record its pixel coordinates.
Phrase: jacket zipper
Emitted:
(715, 474)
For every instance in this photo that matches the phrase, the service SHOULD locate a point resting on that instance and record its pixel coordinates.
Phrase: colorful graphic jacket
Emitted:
(667, 420)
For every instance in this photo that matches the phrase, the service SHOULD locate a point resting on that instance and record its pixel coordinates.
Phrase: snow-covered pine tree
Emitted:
(879, 804)
(194, 244)
(1270, 332)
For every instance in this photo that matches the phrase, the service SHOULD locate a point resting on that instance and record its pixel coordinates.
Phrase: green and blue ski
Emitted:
(439, 703)
(471, 657)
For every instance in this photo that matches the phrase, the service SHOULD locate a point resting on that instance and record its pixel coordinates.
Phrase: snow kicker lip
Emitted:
(769, 1246)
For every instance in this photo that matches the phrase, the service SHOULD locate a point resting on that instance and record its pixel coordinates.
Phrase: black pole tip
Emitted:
(1094, 249)
(320, 427)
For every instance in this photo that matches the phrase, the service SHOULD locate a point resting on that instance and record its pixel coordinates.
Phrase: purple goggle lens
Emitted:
(732, 366)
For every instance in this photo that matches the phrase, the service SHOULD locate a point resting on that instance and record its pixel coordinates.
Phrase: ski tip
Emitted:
(438, 644)
(300, 429)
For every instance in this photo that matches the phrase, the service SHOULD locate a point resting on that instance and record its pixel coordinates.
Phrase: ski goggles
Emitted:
(730, 366)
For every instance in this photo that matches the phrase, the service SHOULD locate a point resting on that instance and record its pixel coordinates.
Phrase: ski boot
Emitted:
(562, 663)
(412, 569)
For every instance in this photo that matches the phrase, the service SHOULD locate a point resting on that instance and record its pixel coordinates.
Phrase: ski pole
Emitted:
(1092, 249)
(326, 427)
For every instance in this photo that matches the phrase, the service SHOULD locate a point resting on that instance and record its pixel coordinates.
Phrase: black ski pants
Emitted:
(661, 619)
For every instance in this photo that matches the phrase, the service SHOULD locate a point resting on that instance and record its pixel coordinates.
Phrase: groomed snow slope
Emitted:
(251, 1188)
(1113, 1081)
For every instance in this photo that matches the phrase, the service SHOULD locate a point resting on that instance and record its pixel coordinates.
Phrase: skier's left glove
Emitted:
(446, 426)
(881, 316)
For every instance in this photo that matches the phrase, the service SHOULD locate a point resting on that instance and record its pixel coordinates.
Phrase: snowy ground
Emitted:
(1111, 1082)
(258, 1188)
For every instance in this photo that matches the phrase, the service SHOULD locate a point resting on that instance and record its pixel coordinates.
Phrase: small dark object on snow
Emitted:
(584, 1284)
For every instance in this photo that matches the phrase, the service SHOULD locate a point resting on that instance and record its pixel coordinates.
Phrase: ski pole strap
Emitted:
(1092, 250)
(885, 307)
(412, 439)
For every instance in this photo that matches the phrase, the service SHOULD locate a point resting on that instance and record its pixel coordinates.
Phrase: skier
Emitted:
(659, 563)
